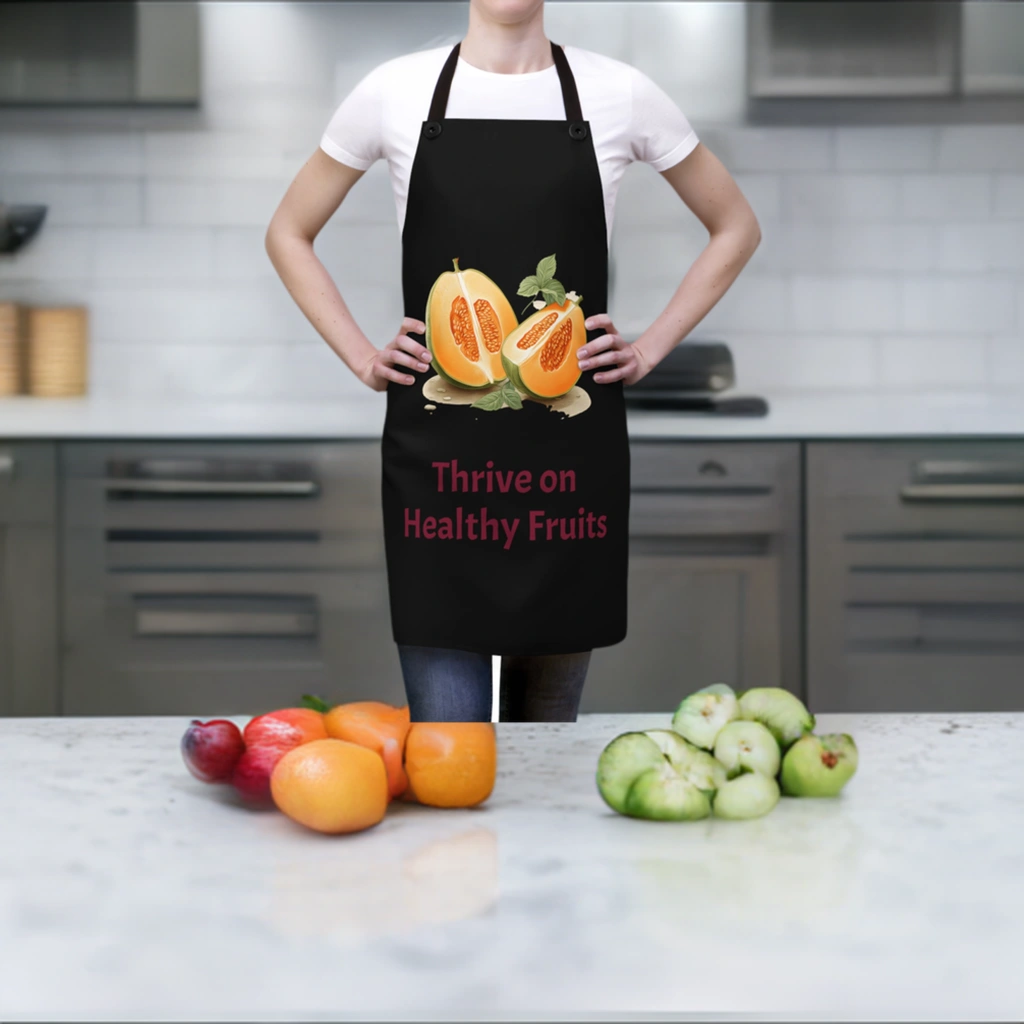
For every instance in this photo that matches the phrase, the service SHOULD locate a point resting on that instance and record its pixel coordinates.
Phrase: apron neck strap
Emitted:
(570, 97)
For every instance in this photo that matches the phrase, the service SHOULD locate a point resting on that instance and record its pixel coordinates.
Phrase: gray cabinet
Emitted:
(714, 577)
(915, 576)
(231, 577)
(71, 54)
(28, 577)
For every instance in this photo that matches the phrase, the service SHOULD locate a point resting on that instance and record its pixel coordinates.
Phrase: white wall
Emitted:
(893, 258)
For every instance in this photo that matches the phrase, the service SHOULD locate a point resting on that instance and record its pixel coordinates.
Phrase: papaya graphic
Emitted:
(539, 356)
(467, 319)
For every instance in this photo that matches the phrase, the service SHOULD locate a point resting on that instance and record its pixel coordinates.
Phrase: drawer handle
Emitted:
(949, 471)
(712, 468)
(192, 488)
(962, 492)
(183, 621)
(6, 465)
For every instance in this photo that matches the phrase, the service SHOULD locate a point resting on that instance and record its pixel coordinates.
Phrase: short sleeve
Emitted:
(353, 135)
(660, 134)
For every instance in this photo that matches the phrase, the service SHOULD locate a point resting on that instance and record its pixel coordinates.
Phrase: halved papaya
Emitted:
(467, 319)
(539, 356)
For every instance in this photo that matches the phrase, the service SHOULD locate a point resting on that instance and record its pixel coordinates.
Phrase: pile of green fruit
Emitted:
(726, 754)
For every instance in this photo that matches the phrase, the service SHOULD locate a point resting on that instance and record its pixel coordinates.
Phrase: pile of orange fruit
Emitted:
(337, 769)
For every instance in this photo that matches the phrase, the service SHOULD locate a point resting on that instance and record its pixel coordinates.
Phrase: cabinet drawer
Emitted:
(679, 488)
(230, 489)
(27, 482)
(928, 486)
(916, 576)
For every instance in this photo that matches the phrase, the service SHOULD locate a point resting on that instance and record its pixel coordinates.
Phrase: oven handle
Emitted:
(256, 488)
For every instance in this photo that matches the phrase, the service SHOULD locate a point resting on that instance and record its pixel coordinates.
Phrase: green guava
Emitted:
(819, 765)
(671, 744)
(748, 745)
(784, 714)
(695, 765)
(701, 715)
(621, 761)
(663, 794)
(749, 795)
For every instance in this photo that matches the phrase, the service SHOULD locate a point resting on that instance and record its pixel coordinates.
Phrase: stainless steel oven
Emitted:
(223, 578)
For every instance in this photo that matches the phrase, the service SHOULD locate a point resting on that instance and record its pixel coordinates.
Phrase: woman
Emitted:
(505, 457)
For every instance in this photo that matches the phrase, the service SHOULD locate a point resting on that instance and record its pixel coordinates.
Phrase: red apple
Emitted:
(212, 749)
(285, 729)
(251, 777)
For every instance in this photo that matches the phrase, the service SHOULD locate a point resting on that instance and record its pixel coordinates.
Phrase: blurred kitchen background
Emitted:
(882, 148)
(892, 259)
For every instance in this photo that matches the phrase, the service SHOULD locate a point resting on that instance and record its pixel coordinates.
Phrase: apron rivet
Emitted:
(431, 129)
(578, 130)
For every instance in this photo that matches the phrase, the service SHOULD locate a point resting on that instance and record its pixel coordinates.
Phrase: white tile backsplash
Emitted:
(940, 197)
(948, 303)
(224, 201)
(998, 245)
(157, 254)
(940, 361)
(981, 147)
(1006, 361)
(1008, 197)
(840, 197)
(851, 302)
(892, 256)
(99, 201)
(890, 148)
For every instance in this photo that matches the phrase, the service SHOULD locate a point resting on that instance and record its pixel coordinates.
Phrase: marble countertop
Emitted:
(814, 415)
(132, 891)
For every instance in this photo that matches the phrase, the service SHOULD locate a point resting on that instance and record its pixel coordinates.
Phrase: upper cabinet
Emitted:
(89, 53)
(993, 48)
(893, 50)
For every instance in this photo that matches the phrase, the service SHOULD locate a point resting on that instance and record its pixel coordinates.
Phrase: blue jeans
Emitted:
(445, 685)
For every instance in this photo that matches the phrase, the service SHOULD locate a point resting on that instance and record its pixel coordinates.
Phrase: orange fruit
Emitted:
(451, 764)
(331, 786)
(378, 726)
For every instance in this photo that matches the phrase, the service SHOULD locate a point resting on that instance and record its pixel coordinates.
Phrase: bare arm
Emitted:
(312, 198)
(707, 188)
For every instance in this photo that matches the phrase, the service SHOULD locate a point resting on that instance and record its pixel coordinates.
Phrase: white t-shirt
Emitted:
(631, 117)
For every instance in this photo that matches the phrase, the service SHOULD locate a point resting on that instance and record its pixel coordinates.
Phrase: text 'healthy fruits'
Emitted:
(467, 319)
(669, 774)
(212, 749)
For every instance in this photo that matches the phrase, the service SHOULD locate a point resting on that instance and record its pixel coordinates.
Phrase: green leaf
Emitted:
(554, 293)
(528, 286)
(512, 397)
(314, 703)
(495, 400)
(546, 269)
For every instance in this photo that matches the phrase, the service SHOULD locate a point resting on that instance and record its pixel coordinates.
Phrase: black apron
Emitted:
(506, 527)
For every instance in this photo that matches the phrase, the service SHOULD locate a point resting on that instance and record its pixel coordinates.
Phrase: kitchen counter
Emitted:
(130, 890)
(796, 416)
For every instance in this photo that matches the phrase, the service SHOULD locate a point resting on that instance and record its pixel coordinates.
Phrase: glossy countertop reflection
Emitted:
(130, 890)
